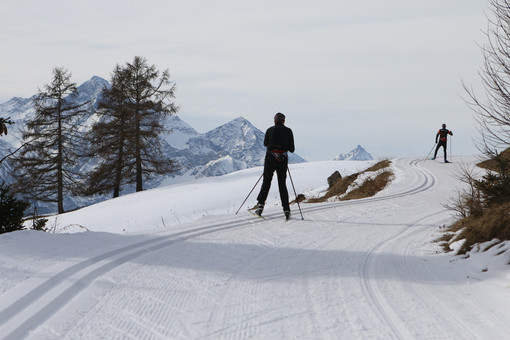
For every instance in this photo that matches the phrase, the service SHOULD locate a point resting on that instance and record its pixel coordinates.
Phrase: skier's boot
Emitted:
(260, 209)
(287, 214)
(433, 158)
(446, 161)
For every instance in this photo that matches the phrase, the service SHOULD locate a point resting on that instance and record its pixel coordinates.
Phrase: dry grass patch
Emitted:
(379, 165)
(494, 164)
(493, 224)
(368, 188)
(444, 242)
(339, 188)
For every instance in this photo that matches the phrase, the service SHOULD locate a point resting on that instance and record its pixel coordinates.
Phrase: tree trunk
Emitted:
(138, 155)
(60, 177)
(118, 170)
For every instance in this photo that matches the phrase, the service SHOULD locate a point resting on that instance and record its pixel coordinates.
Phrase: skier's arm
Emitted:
(437, 135)
(290, 146)
(266, 137)
(451, 133)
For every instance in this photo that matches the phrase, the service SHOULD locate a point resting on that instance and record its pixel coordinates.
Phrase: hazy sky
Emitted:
(383, 74)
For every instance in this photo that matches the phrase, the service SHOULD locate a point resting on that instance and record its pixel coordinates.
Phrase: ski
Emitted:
(254, 214)
(262, 217)
(446, 162)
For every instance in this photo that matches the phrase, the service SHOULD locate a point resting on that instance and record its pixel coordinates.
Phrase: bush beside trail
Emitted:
(483, 208)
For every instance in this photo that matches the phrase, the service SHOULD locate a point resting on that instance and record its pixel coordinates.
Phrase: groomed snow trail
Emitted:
(364, 269)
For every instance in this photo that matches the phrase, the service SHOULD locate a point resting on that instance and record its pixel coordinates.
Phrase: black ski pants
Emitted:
(271, 164)
(442, 143)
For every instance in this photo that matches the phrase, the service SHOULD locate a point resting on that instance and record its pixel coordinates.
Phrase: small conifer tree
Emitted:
(11, 210)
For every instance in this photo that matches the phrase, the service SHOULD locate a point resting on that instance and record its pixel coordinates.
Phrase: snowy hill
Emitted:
(90, 91)
(176, 263)
(356, 154)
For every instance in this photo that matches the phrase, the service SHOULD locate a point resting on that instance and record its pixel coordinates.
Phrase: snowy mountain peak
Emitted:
(180, 132)
(241, 120)
(239, 123)
(91, 89)
(356, 154)
(93, 84)
(236, 137)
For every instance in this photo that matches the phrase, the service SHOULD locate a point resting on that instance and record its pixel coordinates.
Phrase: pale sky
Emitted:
(383, 74)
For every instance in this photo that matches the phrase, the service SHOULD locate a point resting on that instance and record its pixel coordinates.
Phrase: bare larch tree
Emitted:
(44, 167)
(492, 112)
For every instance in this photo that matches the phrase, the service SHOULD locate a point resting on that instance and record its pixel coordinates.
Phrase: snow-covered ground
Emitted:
(178, 263)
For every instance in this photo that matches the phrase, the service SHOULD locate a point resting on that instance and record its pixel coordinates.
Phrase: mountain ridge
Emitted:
(233, 146)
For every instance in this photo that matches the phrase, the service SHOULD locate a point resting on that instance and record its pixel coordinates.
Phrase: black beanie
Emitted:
(279, 118)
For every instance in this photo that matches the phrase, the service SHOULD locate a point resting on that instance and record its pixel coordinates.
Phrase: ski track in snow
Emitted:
(40, 299)
(258, 285)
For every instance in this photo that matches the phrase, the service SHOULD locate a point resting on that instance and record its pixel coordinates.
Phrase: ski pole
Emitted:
(249, 193)
(451, 156)
(295, 194)
(430, 151)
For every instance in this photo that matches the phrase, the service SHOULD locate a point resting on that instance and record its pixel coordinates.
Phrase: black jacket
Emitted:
(279, 137)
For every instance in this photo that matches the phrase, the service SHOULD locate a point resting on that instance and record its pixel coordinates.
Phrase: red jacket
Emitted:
(443, 134)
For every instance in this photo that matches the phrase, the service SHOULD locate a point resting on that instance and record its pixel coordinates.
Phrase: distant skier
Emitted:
(279, 140)
(442, 134)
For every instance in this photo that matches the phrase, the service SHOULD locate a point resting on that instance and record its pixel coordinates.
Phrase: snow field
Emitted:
(172, 205)
(364, 269)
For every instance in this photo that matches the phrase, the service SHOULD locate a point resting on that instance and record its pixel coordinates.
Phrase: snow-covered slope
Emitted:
(365, 269)
(175, 204)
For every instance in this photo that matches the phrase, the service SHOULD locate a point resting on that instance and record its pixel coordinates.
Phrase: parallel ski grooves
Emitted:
(62, 287)
(384, 311)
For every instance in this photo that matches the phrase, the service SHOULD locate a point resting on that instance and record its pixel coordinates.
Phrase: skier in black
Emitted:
(279, 140)
(442, 134)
